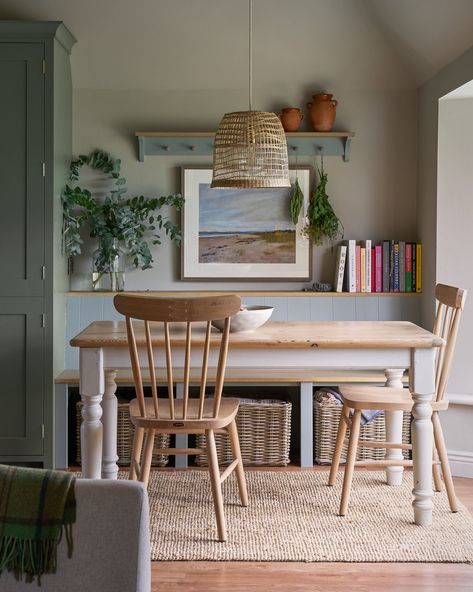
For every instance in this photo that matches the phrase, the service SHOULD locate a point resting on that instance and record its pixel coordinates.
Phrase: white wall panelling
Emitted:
(83, 309)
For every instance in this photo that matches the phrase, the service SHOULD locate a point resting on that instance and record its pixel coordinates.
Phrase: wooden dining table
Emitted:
(277, 348)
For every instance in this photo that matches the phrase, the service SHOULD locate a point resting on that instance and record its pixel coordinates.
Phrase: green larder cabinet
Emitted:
(35, 148)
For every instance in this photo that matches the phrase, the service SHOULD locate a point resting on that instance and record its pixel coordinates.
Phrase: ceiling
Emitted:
(202, 44)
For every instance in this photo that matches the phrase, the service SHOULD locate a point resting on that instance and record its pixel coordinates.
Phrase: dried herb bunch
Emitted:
(296, 202)
(322, 223)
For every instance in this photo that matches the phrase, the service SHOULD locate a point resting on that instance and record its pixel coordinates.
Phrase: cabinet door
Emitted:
(21, 169)
(21, 376)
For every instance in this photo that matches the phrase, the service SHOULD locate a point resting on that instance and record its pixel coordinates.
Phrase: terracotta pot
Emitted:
(291, 118)
(322, 111)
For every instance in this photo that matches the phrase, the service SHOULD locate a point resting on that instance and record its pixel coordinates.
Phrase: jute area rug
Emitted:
(292, 517)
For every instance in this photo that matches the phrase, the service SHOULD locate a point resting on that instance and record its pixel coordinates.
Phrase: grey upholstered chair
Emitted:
(111, 543)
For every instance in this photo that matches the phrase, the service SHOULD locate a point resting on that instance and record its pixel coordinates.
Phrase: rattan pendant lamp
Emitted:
(250, 149)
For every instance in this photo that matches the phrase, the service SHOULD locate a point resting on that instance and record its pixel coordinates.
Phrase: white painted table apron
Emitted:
(99, 427)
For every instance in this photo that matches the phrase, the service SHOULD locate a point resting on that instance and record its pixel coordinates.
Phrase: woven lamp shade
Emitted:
(250, 151)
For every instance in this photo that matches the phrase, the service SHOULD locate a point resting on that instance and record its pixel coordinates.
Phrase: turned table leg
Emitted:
(91, 432)
(422, 388)
(393, 421)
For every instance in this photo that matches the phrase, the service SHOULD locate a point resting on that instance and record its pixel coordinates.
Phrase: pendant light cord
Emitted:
(250, 52)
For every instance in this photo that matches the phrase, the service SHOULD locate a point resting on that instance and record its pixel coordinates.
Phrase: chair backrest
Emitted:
(450, 303)
(177, 310)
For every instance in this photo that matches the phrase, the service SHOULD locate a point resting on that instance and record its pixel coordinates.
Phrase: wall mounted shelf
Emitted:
(201, 143)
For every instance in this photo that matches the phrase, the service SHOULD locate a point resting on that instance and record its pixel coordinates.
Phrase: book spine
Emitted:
(358, 268)
(419, 267)
(396, 282)
(408, 267)
(379, 268)
(340, 268)
(385, 266)
(414, 267)
(363, 269)
(351, 255)
(368, 265)
(402, 266)
(373, 269)
(391, 266)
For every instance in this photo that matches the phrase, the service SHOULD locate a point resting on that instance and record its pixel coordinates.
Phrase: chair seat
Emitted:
(227, 412)
(389, 399)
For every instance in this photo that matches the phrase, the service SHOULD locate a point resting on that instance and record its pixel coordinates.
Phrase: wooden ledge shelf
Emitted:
(262, 293)
(244, 375)
(201, 143)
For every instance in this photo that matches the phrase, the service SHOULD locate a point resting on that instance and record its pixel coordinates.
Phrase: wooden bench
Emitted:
(306, 378)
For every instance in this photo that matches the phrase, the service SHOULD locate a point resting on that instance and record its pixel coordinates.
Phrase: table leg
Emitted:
(422, 387)
(393, 421)
(109, 422)
(181, 439)
(307, 427)
(91, 432)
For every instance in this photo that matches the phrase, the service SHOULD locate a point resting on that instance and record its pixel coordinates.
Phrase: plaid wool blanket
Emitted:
(36, 507)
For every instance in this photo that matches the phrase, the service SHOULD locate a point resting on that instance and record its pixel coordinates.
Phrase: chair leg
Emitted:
(350, 464)
(147, 457)
(216, 484)
(442, 450)
(136, 452)
(436, 471)
(337, 453)
(240, 473)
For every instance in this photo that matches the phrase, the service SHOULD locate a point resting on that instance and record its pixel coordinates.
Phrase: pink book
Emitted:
(378, 274)
(358, 268)
(373, 269)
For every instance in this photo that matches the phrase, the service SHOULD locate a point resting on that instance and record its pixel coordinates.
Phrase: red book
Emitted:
(408, 267)
(373, 269)
(358, 268)
(378, 274)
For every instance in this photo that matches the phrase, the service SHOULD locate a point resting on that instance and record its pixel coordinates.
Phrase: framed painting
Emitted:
(242, 234)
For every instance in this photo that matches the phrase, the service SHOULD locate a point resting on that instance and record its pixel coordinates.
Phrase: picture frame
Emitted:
(243, 234)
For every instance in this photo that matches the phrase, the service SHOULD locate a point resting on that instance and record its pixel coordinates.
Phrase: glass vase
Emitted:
(108, 267)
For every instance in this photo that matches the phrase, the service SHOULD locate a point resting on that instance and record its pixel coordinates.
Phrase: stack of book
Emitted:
(392, 266)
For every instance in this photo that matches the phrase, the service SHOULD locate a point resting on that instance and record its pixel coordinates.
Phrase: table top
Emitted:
(275, 334)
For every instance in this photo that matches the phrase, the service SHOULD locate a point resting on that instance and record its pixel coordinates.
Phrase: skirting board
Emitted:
(461, 463)
(459, 399)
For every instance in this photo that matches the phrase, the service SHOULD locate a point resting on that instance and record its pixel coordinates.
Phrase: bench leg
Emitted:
(109, 421)
(394, 430)
(61, 404)
(307, 424)
(181, 439)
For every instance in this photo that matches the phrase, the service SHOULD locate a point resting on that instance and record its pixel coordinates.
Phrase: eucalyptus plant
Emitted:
(133, 222)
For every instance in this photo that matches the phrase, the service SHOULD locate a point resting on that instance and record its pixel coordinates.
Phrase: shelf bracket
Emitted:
(141, 148)
(346, 149)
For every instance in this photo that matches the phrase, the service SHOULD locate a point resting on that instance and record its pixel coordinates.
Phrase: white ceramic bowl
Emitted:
(247, 319)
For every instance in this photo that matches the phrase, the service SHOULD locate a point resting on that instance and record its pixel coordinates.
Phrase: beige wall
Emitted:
(374, 193)
(441, 244)
(455, 222)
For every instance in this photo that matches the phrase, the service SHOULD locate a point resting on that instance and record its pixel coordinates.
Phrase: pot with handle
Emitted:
(322, 111)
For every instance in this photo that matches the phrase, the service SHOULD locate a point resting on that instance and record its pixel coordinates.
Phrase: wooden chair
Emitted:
(450, 304)
(152, 415)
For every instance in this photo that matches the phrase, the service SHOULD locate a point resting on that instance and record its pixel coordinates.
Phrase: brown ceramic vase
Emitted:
(291, 118)
(322, 111)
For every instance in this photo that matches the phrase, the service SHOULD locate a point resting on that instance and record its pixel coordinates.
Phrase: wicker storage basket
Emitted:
(326, 419)
(125, 430)
(264, 429)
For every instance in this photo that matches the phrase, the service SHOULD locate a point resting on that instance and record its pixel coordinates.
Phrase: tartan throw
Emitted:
(36, 507)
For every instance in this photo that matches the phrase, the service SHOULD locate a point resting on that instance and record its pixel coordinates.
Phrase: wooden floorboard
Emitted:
(208, 576)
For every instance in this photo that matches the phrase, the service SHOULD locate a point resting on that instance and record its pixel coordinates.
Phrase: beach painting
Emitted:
(242, 233)
(245, 226)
